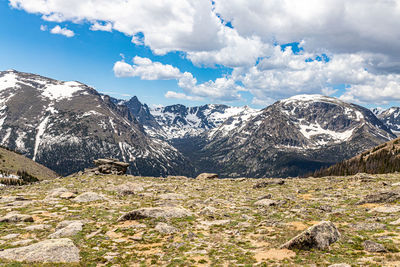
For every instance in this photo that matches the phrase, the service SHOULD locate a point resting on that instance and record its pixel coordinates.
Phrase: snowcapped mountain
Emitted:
(391, 118)
(65, 125)
(178, 121)
(292, 137)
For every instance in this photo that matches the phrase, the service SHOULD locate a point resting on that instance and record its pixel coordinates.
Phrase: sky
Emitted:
(193, 52)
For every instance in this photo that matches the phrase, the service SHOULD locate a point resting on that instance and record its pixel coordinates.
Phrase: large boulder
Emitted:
(156, 212)
(67, 228)
(319, 236)
(60, 250)
(111, 166)
(206, 175)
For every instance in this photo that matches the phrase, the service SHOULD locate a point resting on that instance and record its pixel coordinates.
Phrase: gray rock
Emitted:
(165, 228)
(159, 212)
(37, 227)
(54, 250)
(67, 228)
(10, 236)
(340, 265)
(268, 182)
(207, 176)
(371, 246)
(367, 226)
(56, 192)
(396, 222)
(14, 217)
(89, 197)
(382, 197)
(109, 166)
(319, 236)
(128, 189)
(265, 202)
(386, 209)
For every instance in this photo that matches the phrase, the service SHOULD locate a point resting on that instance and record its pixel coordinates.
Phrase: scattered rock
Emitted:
(67, 228)
(22, 242)
(57, 192)
(319, 236)
(268, 182)
(396, 222)
(266, 202)
(37, 227)
(177, 177)
(340, 265)
(14, 217)
(128, 189)
(207, 176)
(386, 209)
(382, 197)
(89, 197)
(213, 223)
(371, 246)
(159, 212)
(165, 228)
(54, 250)
(10, 236)
(67, 195)
(367, 226)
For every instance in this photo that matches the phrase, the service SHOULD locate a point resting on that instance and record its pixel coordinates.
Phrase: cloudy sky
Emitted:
(239, 52)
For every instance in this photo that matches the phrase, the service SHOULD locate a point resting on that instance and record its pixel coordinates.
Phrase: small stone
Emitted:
(386, 209)
(128, 189)
(165, 228)
(371, 246)
(171, 196)
(396, 222)
(340, 265)
(268, 182)
(319, 236)
(22, 242)
(368, 226)
(54, 250)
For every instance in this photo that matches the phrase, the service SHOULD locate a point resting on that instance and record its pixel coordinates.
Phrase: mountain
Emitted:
(179, 121)
(12, 163)
(292, 137)
(384, 158)
(390, 117)
(65, 125)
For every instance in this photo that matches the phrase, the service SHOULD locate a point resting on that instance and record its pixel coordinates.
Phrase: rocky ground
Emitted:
(110, 220)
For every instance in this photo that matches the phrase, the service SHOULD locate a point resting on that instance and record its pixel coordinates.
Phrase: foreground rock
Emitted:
(14, 217)
(55, 250)
(67, 228)
(319, 236)
(160, 212)
(109, 166)
(206, 175)
(382, 197)
(371, 246)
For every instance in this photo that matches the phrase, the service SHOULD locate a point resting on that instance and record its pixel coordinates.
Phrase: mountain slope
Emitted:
(11, 162)
(384, 158)
(293, 137)
(65, 125)
(391, 118)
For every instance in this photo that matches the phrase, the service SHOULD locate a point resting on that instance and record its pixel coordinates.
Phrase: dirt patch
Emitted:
(274, 254)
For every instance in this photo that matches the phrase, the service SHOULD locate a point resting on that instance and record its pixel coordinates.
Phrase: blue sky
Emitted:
(188, 54)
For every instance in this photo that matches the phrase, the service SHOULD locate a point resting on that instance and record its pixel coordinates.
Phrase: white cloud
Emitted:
(146, 70)
(361, 38)
(96, 26)
(43, 28)
(62, 31)
(175, 95)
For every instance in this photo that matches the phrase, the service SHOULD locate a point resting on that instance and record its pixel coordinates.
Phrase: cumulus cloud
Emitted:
(360, 37)
(43, 28)
(62, 31)
(96, 26)
(146, 70)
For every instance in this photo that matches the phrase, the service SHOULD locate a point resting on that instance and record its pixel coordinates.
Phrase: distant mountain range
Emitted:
(65, 125)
